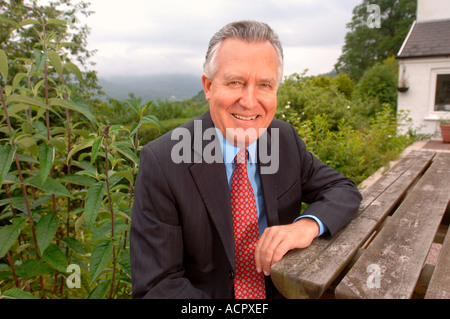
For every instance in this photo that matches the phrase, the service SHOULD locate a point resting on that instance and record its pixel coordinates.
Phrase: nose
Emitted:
(248, 98)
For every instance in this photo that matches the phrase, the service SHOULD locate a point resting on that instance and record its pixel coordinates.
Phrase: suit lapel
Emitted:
(211, 181)
(269, 183)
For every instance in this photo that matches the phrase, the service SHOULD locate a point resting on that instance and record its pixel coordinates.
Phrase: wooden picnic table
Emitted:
(382, 252)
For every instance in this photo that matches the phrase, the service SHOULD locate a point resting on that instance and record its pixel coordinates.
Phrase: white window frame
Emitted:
(432, 114)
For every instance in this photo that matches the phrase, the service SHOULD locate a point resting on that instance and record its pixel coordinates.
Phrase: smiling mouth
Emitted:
(240, 117)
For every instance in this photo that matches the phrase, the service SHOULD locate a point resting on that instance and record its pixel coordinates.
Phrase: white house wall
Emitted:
(419, 100)
(433, 10)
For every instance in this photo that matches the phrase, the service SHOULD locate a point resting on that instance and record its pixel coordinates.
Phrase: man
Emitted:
(187, 239)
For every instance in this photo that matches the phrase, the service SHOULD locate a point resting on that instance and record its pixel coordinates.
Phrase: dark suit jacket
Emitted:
(182, 242)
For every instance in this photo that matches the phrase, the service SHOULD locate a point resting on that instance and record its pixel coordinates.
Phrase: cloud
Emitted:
(151, 37)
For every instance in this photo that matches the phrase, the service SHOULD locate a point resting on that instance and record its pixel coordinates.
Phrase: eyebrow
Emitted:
(228, 77)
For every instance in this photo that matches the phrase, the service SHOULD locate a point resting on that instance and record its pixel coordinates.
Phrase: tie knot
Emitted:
(241, 157)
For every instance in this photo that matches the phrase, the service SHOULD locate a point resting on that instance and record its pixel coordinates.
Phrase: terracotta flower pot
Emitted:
(445, 131)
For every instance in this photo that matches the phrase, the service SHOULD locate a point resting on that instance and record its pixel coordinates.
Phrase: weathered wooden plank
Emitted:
(398, 252)
(307, 273)
(439, 287)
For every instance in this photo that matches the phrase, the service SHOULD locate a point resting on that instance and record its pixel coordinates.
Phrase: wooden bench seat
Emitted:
(307, 273)
(439, 287)
(399, 251)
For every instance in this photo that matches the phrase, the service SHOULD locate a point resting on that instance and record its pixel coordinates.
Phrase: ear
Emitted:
(206, 86)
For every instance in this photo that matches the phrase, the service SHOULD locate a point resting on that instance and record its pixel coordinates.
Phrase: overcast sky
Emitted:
(139, 37)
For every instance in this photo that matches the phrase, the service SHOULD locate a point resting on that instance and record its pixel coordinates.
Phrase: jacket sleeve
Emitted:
(156, 247)
(331, 196)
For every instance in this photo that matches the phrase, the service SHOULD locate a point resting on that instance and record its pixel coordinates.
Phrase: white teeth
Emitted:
(245, 118)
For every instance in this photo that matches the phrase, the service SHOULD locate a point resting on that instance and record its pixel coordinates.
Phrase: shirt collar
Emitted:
(230, 151)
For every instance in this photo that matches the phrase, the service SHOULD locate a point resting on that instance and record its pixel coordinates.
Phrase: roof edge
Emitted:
(407, 38)
(423, 56)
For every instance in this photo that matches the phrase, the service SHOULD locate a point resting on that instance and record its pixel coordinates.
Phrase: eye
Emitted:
(234, 83)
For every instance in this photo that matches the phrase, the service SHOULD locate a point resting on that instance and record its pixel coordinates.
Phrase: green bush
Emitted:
(67, 187)
(355, 153)
(378, 83)
(336, 124)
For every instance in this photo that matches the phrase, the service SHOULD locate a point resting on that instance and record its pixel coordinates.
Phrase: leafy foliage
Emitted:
(67, 186)
(365, 46)
(350, 131)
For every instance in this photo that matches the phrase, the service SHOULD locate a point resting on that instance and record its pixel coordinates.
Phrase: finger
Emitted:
(258, 250)
(279, 252)
(269, 247)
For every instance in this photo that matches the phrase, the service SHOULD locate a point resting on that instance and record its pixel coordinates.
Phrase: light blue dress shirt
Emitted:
(229, 152)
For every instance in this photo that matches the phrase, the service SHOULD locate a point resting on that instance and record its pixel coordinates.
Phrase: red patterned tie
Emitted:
(248, 284)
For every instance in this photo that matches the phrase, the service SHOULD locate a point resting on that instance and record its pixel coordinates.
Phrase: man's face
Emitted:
(243, 92)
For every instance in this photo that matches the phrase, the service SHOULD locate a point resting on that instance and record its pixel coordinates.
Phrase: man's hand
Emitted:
(276, 241)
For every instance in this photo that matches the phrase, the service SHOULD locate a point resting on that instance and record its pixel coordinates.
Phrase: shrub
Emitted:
(338, 128)
(379, 83)
(67, 187)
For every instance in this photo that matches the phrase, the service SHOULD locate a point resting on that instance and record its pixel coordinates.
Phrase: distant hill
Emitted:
(174, 87)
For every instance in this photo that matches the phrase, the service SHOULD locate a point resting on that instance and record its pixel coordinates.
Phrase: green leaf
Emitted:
(28, 143)
(75, 245)
(124, 262)
(6, 158)
(77, 105)
(50, 186)
(9, 234)
(4, 267)
(95, 147)
(26, 158)
(17, 78)
(12, 200)
(77, 179)
(104, 231)
(94, 198)
(3, 65)
(126, 151)
(28, 22)
(56, 21)
(124, 278)
(39, 59)
(55, 258)
(101, 255)
(46, 160)
(33, 268)
(127, 174)
(5, 20)
(74, 69)
(16, 108)
(55, 60)
(16, 293)
(99, 291)
(26, 99)
(84, 144)
(149, 119)
(45, 231)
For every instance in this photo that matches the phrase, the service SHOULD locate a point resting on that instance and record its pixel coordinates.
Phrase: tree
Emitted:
(366, 44)
(19, 36)
(378, 87)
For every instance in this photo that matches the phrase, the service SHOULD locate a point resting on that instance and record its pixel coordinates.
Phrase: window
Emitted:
(442, 100)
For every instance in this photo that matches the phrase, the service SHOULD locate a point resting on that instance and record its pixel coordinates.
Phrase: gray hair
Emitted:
(250, 31)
